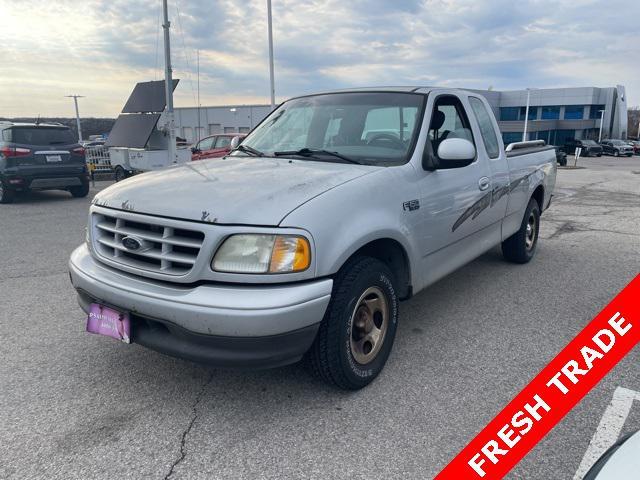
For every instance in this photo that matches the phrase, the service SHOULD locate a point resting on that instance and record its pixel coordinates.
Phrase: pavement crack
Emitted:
(186, 431)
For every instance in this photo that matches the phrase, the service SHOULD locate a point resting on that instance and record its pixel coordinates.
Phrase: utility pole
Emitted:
(75, 101)
(601, 122)
(198, 63)
(168, 84)
(526, 115)
(273, 88)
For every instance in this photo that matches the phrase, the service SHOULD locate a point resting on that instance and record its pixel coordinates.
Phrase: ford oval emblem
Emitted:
(132, 243)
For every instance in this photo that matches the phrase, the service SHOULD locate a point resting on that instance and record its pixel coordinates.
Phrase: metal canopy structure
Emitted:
(148, 97)
(132, 130)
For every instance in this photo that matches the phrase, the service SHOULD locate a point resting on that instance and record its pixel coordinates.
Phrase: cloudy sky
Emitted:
(101, 48)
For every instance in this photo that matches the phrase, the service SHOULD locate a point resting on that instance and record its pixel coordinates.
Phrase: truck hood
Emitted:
(230, 190)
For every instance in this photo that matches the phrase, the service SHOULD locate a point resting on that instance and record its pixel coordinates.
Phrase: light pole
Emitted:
(168, 83)
(270, 26)
(526, 115)
(75, 101)
(601, 122)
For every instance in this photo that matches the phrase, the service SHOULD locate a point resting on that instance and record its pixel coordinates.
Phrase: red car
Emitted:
(213, 147)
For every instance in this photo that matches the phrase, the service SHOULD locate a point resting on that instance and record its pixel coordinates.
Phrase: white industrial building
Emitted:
(223, 119)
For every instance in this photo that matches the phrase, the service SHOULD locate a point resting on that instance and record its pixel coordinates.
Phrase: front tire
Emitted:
(6, 195)
(521, 246)
(356, 335)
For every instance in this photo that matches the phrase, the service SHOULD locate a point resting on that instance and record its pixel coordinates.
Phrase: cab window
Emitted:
(205, 144)
(223, 142)
(448, 120)
(488, 133)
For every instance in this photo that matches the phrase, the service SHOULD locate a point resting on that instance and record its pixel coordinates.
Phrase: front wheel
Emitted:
(356, 335)
(521, 246)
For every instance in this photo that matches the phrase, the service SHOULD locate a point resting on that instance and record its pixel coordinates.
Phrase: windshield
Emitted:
(370, 128)
(617, 142)
(41, 136)
(589, 142)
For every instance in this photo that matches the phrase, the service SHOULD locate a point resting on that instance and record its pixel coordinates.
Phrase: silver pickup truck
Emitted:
(303, 240)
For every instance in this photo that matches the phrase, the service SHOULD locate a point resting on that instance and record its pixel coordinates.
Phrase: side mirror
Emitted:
(456, 152)
(194, 150)
(235, 141)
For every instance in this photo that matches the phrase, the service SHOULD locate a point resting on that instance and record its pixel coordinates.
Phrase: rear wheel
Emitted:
(359, 326)
(80, 191)
(521, 246)
(120, 173)
(6, 195)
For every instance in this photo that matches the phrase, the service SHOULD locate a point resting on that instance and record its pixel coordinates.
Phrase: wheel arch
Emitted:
(392, 253)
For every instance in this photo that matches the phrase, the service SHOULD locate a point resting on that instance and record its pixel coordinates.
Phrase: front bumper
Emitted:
(224, 325)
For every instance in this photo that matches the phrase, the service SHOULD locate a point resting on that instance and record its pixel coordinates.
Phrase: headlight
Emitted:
(253, 253)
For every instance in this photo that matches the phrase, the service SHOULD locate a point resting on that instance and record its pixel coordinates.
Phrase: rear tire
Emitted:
(521, 246)
(80, 191)
(120, 173)
(6, 195)
(356, 335)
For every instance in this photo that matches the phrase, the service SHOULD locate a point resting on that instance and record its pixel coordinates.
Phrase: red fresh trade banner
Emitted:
(553, 392)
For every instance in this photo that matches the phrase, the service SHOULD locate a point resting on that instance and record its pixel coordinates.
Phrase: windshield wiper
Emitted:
(249, 150)
(313, 153)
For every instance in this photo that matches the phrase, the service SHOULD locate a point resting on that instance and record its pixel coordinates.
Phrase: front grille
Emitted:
(165, 249)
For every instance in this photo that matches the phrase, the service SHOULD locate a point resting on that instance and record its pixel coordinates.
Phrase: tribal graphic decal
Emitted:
(489, 200)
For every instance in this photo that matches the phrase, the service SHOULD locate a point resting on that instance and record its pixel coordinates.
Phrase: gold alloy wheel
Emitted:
(530, 235)
(369, 323)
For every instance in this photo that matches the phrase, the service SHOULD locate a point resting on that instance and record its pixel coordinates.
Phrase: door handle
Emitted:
(484, 183)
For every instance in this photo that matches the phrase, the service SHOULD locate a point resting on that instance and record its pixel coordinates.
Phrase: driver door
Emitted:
(454, 201)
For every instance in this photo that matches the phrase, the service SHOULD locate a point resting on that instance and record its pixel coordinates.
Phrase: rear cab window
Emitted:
(488, 133)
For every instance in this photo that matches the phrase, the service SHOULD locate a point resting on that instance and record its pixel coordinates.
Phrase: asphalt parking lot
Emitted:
(74, 405)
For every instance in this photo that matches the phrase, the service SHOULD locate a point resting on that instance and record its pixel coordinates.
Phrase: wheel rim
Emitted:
(530, 234)
(369, 323)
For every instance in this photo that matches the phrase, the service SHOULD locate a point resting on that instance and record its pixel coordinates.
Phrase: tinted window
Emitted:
(487, 131)
(573, 112)
(509, 113)
(550, 113)
(42, 136)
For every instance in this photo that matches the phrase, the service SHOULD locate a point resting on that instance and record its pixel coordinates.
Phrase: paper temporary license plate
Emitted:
(109, 322)
(54, 158)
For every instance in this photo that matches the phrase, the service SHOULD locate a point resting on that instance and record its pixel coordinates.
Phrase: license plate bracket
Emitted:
(103, 320)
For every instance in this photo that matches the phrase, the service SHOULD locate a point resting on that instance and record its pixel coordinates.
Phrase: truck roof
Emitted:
(383, 89)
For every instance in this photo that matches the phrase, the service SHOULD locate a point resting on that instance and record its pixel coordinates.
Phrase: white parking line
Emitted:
(609, 428)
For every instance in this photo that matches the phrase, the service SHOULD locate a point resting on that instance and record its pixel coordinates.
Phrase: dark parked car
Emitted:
(38, 156)
(589, 148)
(616, 148)
(561, 156)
